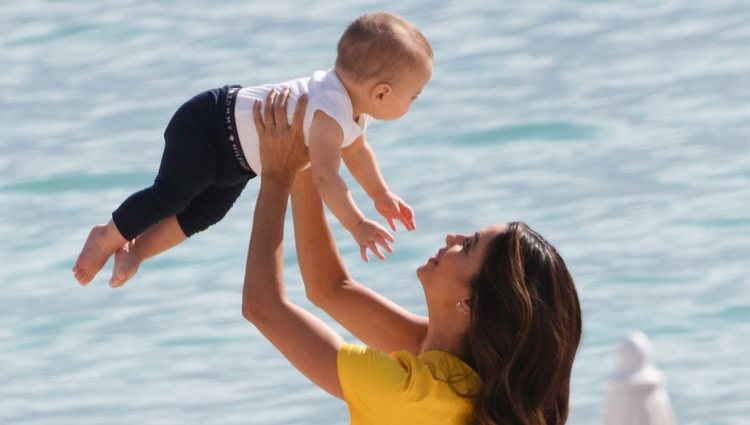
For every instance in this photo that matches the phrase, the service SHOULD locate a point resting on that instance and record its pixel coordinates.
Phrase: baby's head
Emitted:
(388, 54)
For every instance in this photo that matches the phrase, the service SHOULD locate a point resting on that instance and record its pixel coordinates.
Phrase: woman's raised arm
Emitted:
(307, 342)
(369, 316)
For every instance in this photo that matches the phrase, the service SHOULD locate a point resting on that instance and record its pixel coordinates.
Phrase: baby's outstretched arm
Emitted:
(326, 138)
(361, 162)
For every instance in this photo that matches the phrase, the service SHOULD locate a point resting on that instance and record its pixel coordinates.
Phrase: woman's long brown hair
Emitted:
(525, 330)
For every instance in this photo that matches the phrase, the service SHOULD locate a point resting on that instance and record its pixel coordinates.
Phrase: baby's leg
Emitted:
(140, 212)
(102, 242)
(187, 168)
(210, 207)
(206, 209)
(157, 239)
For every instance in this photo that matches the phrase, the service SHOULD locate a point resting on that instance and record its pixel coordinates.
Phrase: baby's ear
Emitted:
(380, 90)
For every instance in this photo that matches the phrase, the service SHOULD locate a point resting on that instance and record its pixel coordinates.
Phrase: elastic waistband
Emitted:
(231, 127)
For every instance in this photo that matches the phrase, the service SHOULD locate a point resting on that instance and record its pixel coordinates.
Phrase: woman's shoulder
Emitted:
(435, 387)
(408, 370)
(447, 368)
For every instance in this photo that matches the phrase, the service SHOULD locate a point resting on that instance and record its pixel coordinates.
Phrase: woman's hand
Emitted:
(282, 146)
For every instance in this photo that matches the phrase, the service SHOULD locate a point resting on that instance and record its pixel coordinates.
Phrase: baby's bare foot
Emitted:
(93, 256)
(126, 265)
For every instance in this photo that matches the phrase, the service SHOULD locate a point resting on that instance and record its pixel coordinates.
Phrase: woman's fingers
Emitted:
(274, 115)
(257, 118)
(299, 114)
(280, 105)
(283, 151)
(268, 115)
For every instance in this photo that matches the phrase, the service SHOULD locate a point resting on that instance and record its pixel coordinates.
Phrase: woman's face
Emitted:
(448, 273)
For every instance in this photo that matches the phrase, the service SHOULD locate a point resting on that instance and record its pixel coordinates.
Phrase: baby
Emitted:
(211, 149)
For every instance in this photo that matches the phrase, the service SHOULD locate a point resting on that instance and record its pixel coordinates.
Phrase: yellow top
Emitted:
(431, 389)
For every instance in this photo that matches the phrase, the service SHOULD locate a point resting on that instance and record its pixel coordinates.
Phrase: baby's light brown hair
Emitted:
(381, 45)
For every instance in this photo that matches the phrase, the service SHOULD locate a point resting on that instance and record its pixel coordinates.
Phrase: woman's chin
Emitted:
(422, 272)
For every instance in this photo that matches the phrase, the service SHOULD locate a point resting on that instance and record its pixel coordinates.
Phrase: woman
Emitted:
(503, 320)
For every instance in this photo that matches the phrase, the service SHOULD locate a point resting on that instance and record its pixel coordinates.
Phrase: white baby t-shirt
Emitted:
(325, 92)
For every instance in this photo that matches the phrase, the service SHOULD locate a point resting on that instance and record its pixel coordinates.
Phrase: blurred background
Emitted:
(617, 129)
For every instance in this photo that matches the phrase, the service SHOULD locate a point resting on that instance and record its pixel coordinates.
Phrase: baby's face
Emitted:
(404, 92)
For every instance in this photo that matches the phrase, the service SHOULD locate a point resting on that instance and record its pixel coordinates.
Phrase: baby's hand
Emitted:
(390, 206)
(369, 234)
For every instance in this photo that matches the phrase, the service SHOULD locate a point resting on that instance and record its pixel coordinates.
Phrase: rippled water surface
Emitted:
(618, 129)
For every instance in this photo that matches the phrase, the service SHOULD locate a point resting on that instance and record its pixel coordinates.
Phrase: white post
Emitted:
(636, 389)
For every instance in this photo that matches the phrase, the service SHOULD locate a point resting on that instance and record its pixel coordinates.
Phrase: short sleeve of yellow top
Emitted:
(432, 389)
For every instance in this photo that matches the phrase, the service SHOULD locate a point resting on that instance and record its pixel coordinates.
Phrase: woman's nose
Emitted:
(451, 239)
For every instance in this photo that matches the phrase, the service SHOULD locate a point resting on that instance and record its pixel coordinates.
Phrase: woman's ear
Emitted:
(464, 306)
(380, 90)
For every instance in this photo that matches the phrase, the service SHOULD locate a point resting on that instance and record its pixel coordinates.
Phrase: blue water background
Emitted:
(618, 129)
